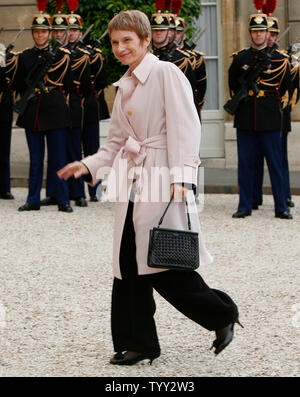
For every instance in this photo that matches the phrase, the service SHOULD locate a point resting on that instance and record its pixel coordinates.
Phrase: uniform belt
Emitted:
(45, 91)
(262, 93)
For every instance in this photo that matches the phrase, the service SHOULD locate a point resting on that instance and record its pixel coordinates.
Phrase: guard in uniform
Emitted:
(197, 62)
(8, 67)
(274, 31)
(60, 35)
(80, 93)
(166, 50)
(92, 110)
(46, 114)
(258, 118)
(286, 128)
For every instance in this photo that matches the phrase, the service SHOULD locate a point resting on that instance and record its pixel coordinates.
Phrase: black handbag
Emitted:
(173, 249)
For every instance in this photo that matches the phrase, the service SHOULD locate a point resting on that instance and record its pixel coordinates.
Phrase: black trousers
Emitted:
(133, 305)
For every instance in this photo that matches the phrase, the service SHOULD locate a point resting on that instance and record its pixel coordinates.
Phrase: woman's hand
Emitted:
(77, 168)
(178, 191)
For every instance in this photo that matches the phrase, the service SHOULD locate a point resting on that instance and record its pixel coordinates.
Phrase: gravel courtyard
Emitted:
(56, 276)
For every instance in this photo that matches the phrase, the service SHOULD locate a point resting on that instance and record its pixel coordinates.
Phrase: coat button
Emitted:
(129, 112)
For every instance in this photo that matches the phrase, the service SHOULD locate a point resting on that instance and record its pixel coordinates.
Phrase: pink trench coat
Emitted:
(153, 140)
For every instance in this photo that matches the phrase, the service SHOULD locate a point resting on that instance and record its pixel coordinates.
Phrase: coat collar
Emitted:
(142, 71)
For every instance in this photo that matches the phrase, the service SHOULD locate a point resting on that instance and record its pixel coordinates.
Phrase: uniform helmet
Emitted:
(59, 21)
(273, 25)
(159, 20)
(74, 20)
(258, 22)
(41, 20)
(180, 23)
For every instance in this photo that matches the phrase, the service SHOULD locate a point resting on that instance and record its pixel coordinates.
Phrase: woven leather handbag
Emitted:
(173, 249)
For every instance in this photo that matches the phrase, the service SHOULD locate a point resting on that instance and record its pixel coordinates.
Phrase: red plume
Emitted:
(167, 6)
(176, 5)
(59, 4)
(270, 6)
(73, 4)
(159, 4)
(258, 4)
(265, 9)
(42, 5)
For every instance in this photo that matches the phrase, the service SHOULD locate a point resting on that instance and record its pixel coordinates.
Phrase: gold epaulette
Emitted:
(84, 51)
(65, 50)
(199, 52)
(238, 52)
(184, 52)
(283, 52)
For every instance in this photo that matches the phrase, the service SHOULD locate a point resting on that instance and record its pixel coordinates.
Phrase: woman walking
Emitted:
(154, 126)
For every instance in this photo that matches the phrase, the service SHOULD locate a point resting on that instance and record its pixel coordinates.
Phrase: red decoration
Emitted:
(270, 6)
(73, 5)
(42, 5)
(59, 4)
(176, 5)
(167, 6)
(258, 4)
(160, 4)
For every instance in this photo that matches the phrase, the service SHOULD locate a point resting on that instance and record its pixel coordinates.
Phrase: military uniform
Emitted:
(286, 127)
(258, 122)
(197, 62)
(171, 53)
(7, 76)
(46, 116)
(92, 110)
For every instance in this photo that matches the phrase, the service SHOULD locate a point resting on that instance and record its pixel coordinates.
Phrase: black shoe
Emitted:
(131, 358)
(290, 203)
(81, 202)
(65, 208)
(241, 214)
(255, 206)
(29, 207)
(224, 337)
(49, 201)
(6, 196)
(94, 198)
(283, 215)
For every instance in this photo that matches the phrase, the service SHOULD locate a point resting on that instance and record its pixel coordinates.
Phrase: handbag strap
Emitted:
(187, 212)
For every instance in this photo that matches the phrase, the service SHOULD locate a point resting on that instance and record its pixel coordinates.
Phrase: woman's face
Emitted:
(128, 48)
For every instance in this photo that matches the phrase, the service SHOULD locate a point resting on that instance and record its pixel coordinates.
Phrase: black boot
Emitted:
(224, 337)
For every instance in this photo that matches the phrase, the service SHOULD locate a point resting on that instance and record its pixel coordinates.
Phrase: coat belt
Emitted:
(135, 152)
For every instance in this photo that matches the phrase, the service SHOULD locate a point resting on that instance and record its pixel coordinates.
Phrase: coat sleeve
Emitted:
(182, 125)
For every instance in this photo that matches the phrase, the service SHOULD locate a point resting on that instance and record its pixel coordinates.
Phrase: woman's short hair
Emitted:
(133, 20)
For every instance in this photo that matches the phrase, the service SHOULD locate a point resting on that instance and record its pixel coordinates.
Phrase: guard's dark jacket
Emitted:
(81, 88)
(294, 95)
(197, 62)
(7, 76)
(180, 58)
(261, 113)
(98, 82)
(47, 110)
